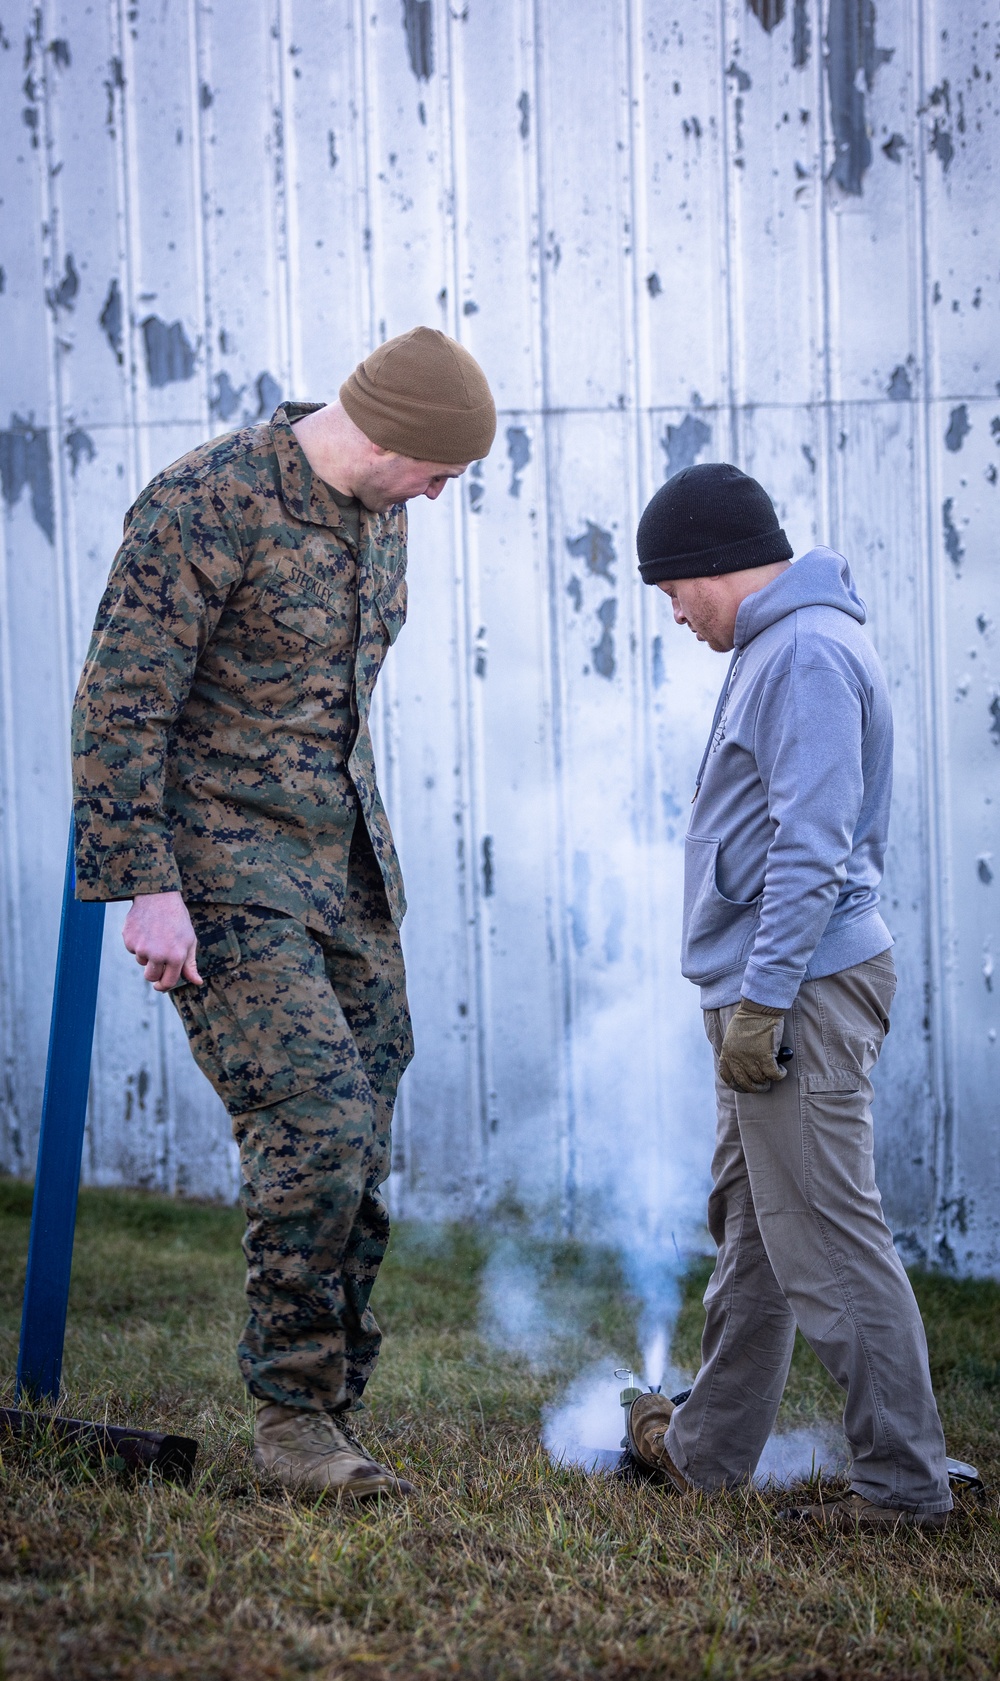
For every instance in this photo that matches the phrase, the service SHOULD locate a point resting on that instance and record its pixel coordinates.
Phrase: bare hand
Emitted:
(159, 934)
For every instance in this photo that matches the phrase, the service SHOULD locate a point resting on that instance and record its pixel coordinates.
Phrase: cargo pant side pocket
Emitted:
(261, 1028)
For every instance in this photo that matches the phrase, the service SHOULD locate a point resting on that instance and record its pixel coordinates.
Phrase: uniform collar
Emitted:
(304, 495)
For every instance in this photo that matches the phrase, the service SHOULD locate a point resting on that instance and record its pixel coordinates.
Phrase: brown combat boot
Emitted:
(853, 1512)
(313, 1454)
(646, 1427)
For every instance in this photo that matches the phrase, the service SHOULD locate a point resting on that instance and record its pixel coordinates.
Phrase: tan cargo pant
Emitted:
(797, 1218)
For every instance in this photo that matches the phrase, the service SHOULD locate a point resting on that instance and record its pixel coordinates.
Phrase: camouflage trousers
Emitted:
(304, 1036)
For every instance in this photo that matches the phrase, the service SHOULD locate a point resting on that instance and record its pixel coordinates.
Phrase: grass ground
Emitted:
(502, 1566)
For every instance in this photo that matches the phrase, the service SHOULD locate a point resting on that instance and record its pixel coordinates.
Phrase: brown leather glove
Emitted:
(746, 1060)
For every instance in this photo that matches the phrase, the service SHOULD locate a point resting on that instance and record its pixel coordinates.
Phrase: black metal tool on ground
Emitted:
(53, 1212)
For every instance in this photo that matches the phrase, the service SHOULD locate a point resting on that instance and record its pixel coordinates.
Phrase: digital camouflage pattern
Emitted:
(221, 747)
(304, 1035)
(220, 734)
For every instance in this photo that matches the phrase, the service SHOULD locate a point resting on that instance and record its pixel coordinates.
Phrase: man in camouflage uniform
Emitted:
(224, 782)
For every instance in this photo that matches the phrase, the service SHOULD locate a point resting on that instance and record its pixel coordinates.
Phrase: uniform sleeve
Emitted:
(808, 738)
(168, 587)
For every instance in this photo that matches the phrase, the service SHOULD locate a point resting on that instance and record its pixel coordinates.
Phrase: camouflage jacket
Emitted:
(220, 731)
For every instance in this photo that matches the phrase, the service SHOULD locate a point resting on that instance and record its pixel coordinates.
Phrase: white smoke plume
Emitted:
(586, 1426)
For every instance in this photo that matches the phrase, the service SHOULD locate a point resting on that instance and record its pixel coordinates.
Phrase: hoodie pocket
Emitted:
(718, 932)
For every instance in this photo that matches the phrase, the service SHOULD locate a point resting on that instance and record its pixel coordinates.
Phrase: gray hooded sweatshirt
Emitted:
(787, 839)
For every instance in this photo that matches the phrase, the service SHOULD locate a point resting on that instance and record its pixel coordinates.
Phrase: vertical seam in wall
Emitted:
(293, 370)
(828, 523)
(129, 234)
(199, 72)
(279, 195)
(66, 593)
(469, 696)
(546, 421)
(365, 124)
(729, 240)
(635, 419)
(639, 424)
(384, 725)
(12, 985)
(931, 604)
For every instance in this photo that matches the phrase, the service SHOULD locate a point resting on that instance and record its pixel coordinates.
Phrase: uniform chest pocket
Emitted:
(323, 613)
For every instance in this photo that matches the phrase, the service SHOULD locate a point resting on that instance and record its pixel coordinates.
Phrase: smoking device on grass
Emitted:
(53, 1213)
(964, 1479)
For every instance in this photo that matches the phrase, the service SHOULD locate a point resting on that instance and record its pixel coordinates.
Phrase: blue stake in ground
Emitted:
(53, 1214)
(60, 1144)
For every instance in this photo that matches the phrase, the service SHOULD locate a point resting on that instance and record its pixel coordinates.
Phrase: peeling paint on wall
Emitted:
(113, 86)
(480, 653)
(110, 319)
(952, 541)
(544, 737)
(941, 142)
(959, 428)
(169, 355)
(81, 448)
(769, 13)
(518, 454)
(683, 444)
(26, 460)
(603, 651)
(801, 35)
(597, 548)
(268, 395)
(851, 65)
(63, 296)
(418, 22)
(227, 397)
(659, 673)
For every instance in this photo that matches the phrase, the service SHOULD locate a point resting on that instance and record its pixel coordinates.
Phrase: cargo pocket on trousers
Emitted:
(226, 1024)
(830, 1081)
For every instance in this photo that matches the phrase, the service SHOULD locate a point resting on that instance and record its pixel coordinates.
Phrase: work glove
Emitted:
(746, 1060)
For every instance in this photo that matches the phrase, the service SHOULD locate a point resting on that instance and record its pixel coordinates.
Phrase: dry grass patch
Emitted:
(503, 1566)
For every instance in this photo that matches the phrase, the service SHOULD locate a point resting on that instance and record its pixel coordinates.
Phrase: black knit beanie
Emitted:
(707, 520)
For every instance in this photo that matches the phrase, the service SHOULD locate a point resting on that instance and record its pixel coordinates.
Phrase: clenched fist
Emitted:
(159, 935)
(747, 1058)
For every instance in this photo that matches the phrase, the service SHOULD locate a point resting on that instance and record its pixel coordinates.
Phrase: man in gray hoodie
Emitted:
(782, 933)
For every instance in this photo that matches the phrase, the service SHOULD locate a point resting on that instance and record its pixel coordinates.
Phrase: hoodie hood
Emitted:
(822, 578)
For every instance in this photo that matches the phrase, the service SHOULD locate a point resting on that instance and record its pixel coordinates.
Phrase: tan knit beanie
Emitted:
(423, 395)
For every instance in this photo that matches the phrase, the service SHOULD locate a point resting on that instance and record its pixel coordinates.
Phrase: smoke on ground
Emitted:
(586, 1426)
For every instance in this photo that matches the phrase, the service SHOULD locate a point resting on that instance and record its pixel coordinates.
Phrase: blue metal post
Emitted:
(60, 1144)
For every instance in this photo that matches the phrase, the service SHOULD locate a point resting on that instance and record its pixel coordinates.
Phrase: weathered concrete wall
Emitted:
(760, 232)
